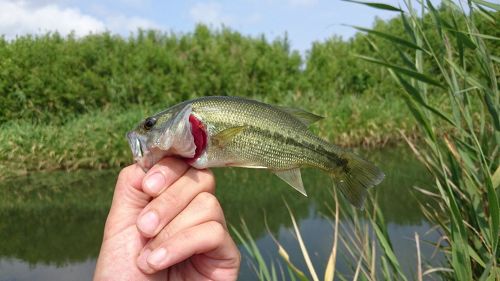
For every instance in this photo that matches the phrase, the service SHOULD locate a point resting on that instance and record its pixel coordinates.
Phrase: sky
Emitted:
(304, 21)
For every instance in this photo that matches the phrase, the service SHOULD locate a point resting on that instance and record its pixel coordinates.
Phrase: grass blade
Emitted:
(381, 6)
(303, 248)
(332, 259)
(389, 37)
(385, 243)
(284, 254)
(253, 250)
(487, 4)
(415, 94)
(419, 259)
(412, 73)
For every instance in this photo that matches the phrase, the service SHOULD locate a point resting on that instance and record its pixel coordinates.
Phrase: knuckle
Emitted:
(130, 176)
(123, 175)
(163, 236)
(207, 179)
(186, 236)
(208, 200)
(167, 161)
(168, 169)
(217, 230)
(167, 200)
(238, 257)
(169, 165)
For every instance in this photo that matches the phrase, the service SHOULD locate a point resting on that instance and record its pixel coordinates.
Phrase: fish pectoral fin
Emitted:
(293, 178)
(305, 117)
(225, 136)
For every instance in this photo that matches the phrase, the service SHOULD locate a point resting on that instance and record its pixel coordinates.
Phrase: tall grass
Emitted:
(465, 164)
(460, 145)
(359, 238)
(95, 140)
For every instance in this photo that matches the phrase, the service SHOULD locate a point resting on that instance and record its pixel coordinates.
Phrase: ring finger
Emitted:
(204, 208)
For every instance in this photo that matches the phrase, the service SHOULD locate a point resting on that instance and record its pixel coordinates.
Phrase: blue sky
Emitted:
(305, 21)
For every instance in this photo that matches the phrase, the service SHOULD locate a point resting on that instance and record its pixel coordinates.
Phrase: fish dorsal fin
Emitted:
(305, 117)
(293, 178)
(226, 135)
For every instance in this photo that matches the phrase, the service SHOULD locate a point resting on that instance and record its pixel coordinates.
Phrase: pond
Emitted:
(51, 223)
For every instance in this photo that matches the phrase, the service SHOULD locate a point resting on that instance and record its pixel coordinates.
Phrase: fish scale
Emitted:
(263, 131)
(247, 133)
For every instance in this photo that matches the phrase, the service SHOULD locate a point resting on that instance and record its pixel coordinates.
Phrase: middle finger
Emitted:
(203, 208)
(173, 200)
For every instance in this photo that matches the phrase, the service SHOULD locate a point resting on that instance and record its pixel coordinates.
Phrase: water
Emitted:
(51, 223)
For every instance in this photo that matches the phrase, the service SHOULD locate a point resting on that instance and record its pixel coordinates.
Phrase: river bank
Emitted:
(96, 140)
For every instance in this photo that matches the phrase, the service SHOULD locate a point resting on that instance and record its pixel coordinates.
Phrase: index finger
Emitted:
(163, 174)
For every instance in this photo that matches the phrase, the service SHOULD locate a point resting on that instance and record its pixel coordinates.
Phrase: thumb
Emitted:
(128, 200)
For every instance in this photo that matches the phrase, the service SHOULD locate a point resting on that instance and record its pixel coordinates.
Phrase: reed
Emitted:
(465, 164)
(460, 146)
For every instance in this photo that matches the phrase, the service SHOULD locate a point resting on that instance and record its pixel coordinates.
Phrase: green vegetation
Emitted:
(67, 102)
(97, 139)
(464, 163)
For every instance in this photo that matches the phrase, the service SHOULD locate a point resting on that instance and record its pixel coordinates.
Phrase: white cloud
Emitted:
(18, 17)
(208, 13)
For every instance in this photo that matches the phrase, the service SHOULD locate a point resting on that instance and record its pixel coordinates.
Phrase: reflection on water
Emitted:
(14, 269)
(51, 223)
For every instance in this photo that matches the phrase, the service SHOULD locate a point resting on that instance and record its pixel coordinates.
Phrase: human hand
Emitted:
(190, 229)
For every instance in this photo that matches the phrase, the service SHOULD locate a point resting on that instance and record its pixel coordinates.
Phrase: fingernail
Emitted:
(155, 183)
(157, 257)
(148, 223)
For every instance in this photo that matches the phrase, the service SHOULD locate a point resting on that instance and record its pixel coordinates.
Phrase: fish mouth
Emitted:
(144, 156)
(136, 145)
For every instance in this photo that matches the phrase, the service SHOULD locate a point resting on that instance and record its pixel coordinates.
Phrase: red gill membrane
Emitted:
(199, 135)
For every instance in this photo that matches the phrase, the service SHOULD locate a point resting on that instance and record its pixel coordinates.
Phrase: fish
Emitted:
(227, 131)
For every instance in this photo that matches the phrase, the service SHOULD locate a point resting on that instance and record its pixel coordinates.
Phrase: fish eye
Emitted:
(149, 123)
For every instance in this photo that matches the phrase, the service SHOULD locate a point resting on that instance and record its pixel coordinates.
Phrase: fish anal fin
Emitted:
(225, 136)
(293, 178)
(305, 117)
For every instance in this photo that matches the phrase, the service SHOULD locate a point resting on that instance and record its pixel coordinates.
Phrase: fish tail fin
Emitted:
(353, 176)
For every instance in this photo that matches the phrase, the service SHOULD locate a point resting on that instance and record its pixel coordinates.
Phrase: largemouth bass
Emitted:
(232, 131)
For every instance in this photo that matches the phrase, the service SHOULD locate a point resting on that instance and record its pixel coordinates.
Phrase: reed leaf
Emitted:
(389, 37)
(249, 244)
(383, 239)
(381, 6)
(297, 272)
(303, 248)
(488, 4)
(412, 73)
(332, 259)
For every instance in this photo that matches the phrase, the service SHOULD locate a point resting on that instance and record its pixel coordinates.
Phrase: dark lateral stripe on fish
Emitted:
(333, 157)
